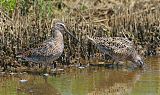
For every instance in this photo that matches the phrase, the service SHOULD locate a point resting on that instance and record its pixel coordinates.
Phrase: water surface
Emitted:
(87, 81)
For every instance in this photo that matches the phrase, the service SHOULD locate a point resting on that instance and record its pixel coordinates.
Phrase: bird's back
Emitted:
(117, 47)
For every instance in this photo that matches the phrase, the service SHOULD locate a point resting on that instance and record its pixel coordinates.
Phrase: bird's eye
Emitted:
(60, 25)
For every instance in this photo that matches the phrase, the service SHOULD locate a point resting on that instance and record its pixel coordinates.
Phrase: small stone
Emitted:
(23, 81)
(46, 74)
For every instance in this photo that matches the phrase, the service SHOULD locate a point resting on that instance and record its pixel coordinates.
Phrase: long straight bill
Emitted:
(67, 31)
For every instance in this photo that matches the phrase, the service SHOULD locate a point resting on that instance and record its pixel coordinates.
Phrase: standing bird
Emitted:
(49, 50)
(118, 48)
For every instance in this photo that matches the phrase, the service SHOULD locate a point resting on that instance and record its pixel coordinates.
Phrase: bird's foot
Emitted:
(45, 70)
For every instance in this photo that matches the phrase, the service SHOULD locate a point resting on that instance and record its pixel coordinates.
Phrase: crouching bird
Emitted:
(118, 48)
(51, 49)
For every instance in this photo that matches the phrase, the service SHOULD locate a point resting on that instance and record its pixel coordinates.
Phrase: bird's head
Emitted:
(60, 26)
(139, 61)
(63, 29)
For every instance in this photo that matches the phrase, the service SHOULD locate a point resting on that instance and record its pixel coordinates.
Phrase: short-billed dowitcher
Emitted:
(118, 48)
(50, 49)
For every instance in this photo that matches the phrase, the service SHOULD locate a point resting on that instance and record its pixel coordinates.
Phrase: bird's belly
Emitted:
(55, 54)
(116, 56)
(121, 57)
(45, 59)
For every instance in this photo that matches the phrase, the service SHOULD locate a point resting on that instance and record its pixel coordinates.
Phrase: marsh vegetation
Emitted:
(26, 23)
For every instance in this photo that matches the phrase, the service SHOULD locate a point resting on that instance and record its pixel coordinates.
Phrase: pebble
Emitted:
(23, 81)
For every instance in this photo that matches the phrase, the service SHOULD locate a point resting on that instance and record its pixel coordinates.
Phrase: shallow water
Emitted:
(87, 81)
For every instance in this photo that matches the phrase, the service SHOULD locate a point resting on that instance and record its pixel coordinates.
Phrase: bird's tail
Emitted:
(24, 54)
(19, 55)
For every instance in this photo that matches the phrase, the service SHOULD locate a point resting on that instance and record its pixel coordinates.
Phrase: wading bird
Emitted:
(118, 48)
(49, 50)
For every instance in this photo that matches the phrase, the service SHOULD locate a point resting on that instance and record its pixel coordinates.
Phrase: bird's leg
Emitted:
(40, 65)
(112, 65)
(4, 67)
(133, 66)
(117, 64)
(45, 68)
(53, 67)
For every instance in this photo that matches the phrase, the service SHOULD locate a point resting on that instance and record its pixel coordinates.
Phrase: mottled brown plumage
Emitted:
(49, 50)
(119, 48)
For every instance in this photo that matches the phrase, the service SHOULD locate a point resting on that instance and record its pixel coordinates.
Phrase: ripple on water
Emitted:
(88, 81)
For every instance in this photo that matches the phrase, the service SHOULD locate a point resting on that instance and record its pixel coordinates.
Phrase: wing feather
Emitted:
(44, 49)
(117, 45)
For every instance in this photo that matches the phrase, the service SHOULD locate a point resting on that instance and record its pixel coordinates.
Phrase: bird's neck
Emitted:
(58, 36)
